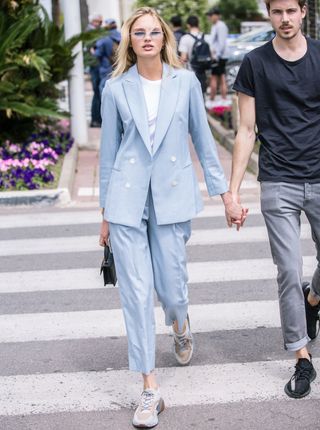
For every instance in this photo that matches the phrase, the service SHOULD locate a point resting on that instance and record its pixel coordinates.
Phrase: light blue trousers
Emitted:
(281, 205)
(150, 257)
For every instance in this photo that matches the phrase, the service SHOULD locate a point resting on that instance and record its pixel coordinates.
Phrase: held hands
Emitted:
(104, 233)
(235, 213)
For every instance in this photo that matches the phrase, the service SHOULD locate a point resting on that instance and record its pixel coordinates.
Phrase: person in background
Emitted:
(95, 22)
(105, 51)
(149, 192)
(176, 23)
(186, 46)
(219, 45)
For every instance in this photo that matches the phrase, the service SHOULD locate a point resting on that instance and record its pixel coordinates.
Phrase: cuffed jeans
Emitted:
(281, 205)
(150, 257)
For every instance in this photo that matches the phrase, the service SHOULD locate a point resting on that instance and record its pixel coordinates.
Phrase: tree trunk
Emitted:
(56, 12)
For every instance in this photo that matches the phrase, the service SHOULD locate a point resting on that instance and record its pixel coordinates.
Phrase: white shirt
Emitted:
(186, 45)
(151, 91)
(219, 37)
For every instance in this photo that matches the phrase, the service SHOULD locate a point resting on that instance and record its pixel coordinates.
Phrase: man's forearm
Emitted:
(242, 150)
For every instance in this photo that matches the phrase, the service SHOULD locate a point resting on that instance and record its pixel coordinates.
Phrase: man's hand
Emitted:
(104, 233)
(235, 213)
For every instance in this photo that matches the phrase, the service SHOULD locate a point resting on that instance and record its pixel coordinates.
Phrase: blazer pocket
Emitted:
(188, 163)
(115, 169)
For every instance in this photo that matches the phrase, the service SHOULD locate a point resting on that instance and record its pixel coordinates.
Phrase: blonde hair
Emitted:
(126, 57)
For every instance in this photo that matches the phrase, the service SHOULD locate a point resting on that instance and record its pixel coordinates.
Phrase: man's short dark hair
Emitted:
(193, 21)
(301, 3)
(213, 11)
(176, 21)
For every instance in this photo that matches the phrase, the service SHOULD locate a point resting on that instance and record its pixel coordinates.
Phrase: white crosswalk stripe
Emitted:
(43, 219)
(90, 243)
(107, 323)
(97, 391)
(94, 191)
(253, 380)
(199, 272)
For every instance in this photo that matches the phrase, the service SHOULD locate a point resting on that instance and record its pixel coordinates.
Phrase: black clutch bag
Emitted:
(108, 268)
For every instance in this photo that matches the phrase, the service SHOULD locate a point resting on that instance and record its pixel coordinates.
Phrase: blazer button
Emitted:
(127, 185)
(174, 183)
(173, 159)
(132, 160)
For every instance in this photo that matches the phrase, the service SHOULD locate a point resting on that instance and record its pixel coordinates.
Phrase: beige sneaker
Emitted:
(150, 406)
(183, 345)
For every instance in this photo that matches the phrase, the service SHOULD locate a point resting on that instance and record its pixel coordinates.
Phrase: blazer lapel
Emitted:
(135, 98)
(167, 104)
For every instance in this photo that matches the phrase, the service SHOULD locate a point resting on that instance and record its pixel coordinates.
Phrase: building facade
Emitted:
(116, 9)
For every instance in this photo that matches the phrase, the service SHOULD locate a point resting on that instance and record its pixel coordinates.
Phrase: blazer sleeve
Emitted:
(204, 143)
(111, 133)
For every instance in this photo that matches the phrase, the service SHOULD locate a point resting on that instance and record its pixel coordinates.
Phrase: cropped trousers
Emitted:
(282, 204)
(147, 258)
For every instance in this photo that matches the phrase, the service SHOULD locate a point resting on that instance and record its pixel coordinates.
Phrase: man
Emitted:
(105, 51)
(186, 48)
(95, 21)
(219, 36)
(176, 24)
(279, 90)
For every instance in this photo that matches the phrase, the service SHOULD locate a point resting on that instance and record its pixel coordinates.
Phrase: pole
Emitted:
(48, 6)
(72, 26)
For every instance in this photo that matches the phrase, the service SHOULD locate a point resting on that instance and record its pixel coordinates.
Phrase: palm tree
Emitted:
(34, 57)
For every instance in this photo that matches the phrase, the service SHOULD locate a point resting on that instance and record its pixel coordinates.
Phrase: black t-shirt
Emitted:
(287, 100)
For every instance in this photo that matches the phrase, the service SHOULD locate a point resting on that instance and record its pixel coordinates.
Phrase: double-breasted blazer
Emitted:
(129, 166)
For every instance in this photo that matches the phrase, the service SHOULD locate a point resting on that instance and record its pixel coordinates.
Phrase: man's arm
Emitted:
(244, 144)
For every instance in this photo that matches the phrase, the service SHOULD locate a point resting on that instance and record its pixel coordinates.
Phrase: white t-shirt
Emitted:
(186, 45)
(151, 91)
(219, 40)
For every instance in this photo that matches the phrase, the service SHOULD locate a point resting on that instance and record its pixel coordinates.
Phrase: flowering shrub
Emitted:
(29, 165)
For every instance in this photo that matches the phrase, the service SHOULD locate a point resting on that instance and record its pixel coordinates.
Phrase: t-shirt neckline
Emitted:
(288, 62)
(149, 81)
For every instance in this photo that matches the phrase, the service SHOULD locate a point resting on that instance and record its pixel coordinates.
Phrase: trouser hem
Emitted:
(176, 313)
(297, 345)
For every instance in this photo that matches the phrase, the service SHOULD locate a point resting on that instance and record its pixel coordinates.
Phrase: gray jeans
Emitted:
(281, 205)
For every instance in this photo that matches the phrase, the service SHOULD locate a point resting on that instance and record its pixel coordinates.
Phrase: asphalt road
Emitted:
(63, 349)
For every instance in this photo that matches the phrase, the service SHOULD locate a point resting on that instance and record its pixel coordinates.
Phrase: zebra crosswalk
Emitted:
(63, 351)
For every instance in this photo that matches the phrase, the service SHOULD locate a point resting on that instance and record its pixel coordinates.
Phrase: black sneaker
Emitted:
(312, 314)
(299, 384)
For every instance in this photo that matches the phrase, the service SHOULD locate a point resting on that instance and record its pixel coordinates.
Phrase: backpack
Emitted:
(201, 54)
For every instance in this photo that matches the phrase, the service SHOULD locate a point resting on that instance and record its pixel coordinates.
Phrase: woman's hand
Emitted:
(104, 233)
(235, 213)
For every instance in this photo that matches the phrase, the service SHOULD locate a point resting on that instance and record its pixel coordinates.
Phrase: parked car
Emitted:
(241, 46)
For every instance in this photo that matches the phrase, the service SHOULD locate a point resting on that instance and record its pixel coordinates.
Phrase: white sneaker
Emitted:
(183, 345)
(150, 406)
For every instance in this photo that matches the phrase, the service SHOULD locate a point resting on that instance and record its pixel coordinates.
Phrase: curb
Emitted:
(59, 195)
(226, 139)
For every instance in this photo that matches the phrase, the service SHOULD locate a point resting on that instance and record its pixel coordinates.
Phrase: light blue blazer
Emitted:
(128, 163)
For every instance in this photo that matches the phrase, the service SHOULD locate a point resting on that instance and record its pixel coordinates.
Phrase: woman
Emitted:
(149, 191)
